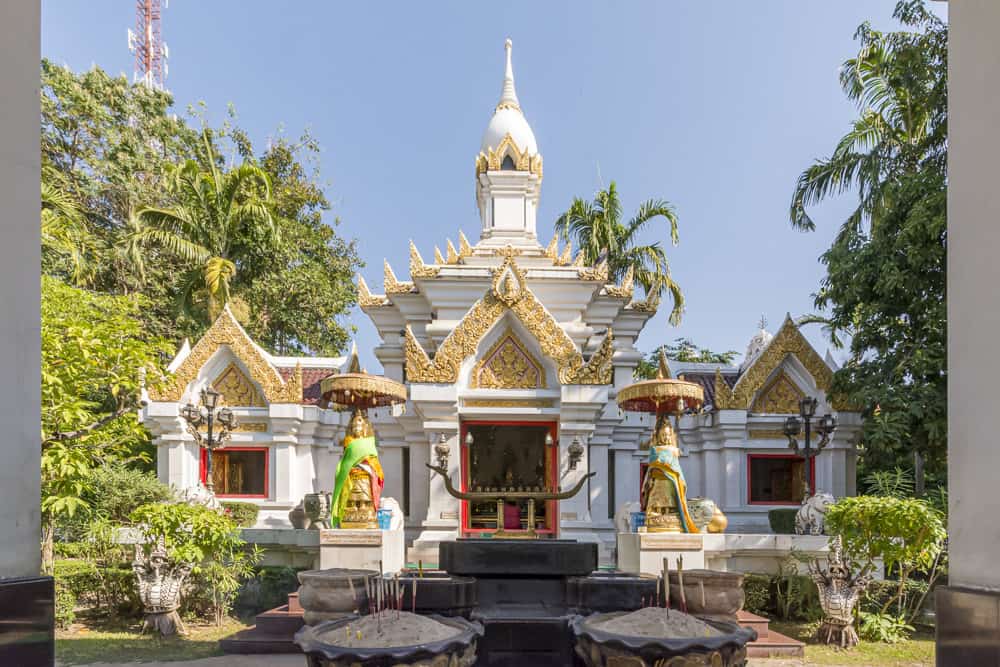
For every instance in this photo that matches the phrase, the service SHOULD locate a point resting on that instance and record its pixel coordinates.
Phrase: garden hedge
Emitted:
(243, 514)
(782, 520)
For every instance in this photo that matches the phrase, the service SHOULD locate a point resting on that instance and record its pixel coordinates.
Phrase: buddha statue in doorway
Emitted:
(664, 490)
(359, 476)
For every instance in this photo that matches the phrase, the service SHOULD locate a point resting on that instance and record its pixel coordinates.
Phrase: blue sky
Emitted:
(716, 106)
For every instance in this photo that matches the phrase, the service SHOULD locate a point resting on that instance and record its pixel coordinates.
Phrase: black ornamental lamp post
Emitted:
(219, 423)
(824, 426)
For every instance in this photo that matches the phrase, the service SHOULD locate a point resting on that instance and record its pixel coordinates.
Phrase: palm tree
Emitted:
(65, 231)
(900, 123)
(597, 229)
(217, 217)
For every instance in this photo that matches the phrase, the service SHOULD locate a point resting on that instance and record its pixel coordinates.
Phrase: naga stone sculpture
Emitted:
(160, 582)
(839, 592)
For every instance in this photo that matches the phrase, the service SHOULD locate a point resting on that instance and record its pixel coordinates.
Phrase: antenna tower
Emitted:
(147, 44)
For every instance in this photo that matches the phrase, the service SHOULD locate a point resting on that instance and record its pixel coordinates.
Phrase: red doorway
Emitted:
(476, 521)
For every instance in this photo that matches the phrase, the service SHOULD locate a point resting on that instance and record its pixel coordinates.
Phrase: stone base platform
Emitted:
(271, 633)
(363, 549)
(769, 644)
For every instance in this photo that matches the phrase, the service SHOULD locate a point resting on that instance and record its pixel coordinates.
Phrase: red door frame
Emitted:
(203, 465)
(551, 507)
(812, 474)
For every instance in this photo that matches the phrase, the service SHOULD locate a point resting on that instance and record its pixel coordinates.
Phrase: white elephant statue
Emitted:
(811, 517)
(701, 510)
(199, 495)
(386, 503)
(622, 515)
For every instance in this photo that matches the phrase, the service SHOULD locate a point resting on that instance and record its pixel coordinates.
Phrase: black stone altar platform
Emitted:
(521, 588)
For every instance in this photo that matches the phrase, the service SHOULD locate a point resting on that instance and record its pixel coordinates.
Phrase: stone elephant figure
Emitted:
(386, 503)
(811, 517)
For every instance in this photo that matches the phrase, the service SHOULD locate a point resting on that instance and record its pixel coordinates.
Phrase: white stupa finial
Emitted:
(508, 97)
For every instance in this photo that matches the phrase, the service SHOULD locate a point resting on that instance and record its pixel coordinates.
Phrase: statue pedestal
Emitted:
(362, 548)
(643, 553)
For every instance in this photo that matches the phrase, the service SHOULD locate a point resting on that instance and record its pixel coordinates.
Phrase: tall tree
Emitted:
(682, 349)
(885, 271)
(218, 217)
(95, 353)
(598, 230)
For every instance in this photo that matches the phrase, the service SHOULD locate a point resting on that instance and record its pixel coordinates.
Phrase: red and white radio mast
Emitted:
(147, 44)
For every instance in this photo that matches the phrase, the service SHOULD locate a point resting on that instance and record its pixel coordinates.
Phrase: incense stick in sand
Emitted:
(680, 583)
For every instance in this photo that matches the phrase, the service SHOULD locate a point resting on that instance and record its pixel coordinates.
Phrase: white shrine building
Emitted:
(502, 344)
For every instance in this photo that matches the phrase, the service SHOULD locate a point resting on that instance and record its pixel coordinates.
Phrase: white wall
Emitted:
(19, 276)
(973, 297)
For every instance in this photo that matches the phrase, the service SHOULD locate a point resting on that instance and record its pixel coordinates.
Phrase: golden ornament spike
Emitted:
(663, 372)
(452, 256)
(567, 255)
(438, 257)
(391, 284)
(464, 249)
(552, 250)
(417, 267)
(579, 261)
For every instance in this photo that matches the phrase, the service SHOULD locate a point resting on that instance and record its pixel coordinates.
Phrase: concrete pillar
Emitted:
(968, 610)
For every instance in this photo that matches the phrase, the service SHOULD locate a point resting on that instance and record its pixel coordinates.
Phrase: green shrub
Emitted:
(885, 628)
(243, 515)
(68, 549)
(757, 590)
(112, 493)
(782, 520)
(65, 606)
(915, 592)
(267, 589)
(79, 577)
(207, 539)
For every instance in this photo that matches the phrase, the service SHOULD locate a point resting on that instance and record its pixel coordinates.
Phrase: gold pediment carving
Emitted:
(492, 158)
(236, 388)
(509, 292)
(508, 365)
(780, 396)
(226, 331)
(788, 341)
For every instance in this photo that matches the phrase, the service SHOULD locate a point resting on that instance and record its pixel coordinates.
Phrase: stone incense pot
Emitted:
(710, 594)
(334, 593)
(599, 648)
(457, 651)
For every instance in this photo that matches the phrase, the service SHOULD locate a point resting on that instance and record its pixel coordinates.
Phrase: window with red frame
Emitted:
(238, 471)
(777, 479)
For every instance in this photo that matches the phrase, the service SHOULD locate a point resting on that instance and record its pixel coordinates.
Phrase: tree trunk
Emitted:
(918, 474)
(48, 537)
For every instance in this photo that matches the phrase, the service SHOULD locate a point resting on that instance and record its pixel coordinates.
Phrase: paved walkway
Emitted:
(298, 661)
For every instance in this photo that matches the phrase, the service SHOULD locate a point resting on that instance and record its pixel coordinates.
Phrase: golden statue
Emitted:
(359, 476)
(664, 490)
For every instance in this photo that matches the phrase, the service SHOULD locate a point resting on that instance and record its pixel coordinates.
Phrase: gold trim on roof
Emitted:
(508, 403)
(438, 257)
(598, 369)
(579, 262)
(492, 159)
(226, 331)
(417, 267)
(780, 396)
(368, 300)
(625, 289)
(788, 341)
(391, 284)
(552, 249)
(507, 364)
(236, 388)
(464, 249)
(596, 273)
(452, 257)
(509, 292)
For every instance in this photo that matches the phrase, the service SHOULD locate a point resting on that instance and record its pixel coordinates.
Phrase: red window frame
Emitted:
(203, 470)
(812, 474)
(551, 506)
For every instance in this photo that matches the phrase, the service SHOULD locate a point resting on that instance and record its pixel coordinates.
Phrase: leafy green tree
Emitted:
(94, 352)
(112, 148)
(884, 287)
(598, 230)
(682, 349)
(217, 217)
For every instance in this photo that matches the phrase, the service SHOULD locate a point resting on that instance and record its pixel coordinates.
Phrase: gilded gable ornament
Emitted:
(509, 292)
(788, 341)
(780, 396)
(508, 365)
(236, 388)
(417, 267)
(226, 331)
(392, 285)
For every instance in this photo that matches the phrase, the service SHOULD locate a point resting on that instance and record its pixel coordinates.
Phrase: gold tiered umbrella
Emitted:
(359, 475)
(664, 491)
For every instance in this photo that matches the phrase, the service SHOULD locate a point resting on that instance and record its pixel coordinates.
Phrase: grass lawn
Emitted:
(122, 642)
(918, 651)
